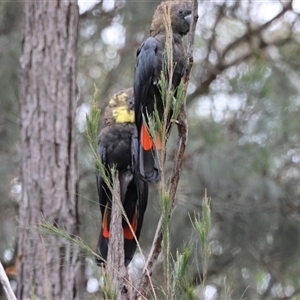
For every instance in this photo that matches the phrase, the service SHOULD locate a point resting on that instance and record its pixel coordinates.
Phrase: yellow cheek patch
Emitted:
(112, 102)
(121, 114)
(122, 97)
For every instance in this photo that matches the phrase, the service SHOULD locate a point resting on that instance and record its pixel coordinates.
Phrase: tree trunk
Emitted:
(50, 267)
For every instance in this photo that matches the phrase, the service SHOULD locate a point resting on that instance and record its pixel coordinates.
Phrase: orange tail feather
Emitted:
(105, 225)
(128, 234)
(146, 140)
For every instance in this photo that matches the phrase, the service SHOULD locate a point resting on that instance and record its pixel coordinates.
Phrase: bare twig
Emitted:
(212, 71)
(211, 42)
(175, 173)
(6, 285)
(250, 32)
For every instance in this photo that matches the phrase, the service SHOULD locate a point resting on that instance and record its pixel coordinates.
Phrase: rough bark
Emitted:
(115, 260)
(50, 267)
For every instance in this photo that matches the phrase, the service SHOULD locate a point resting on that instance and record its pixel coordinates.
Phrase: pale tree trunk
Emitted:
(50, 267)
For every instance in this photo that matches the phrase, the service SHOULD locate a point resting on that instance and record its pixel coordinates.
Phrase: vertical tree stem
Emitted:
(48, 94)
(115, 260)
(175, 173)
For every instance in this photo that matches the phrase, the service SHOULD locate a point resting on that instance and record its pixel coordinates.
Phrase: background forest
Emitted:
(243, 147)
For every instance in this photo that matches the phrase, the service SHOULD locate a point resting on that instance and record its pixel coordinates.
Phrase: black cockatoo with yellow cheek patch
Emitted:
(118, 148)
(149, 65)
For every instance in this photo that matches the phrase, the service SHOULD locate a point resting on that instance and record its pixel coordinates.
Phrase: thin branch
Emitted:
(246, 36)
(175, 173)
(214, 71)
(6, 285)
(221, 66)
(212, 41)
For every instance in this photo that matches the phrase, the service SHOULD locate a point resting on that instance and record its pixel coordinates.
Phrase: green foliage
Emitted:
(168, 67)
(177, 103)
(48, 228)
(180, 283)
(110, 292)
(165, 213)
(227, 291)
(92, 123)
(190, 292)
(202, 225)
(91, 133)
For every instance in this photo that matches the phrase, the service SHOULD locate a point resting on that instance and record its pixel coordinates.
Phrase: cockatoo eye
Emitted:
(131, 104)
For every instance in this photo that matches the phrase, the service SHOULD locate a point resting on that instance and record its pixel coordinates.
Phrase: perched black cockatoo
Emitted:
(118, 147)
(149, 65)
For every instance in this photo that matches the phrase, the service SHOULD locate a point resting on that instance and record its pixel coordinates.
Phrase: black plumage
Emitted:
(149, 65)
(118, 147)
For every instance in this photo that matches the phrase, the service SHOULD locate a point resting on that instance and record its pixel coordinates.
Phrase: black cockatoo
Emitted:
(118, 147)
(149, 65)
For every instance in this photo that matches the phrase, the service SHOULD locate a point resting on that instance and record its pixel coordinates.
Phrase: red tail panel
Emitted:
(127, 231)
(146, 140)
(105, 225)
